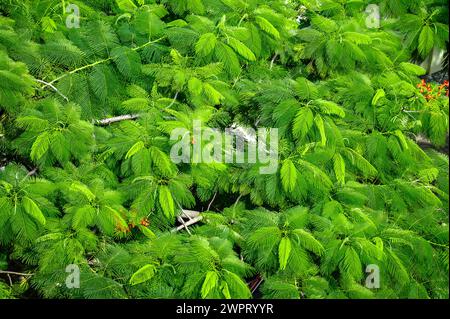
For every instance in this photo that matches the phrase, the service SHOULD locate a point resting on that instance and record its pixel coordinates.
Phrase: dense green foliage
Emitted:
(353, 187)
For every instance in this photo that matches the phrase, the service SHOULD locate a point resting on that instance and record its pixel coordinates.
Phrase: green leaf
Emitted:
(426, 41)
(134, 149)
(320, 178)
(308, 241)
(242, 49)
(288, 175)
(228, 57)
(438, 128)
(148, 23)
(51, 236)
(339, 168)
(267, 27)
(309, 35)
(128, 61)
(136, 104)
(225, 290)
(306, 90)
(360, 162)
(238, 287)
(284, 251)
(195, 86)
(429, 175)
(6, 186)
(83, 217)
(320, 126)
(213, 95)
(166, 202)
(351, 264)
(210, 282)
(79, 187)
(126, 5)
(206, 44)
(176, 56)
(413, 69)
(162, 161)
(32, 123)
(40, 146)
(323, 24)
(330, 108)
(33, 210)
(357, 38)
(118, 219)
(48, 24)
(396, 267)
(143, 274)
(378, 95)
(303, 122)
(60, 147)
(147, 232)
(380, 246)
(401, 139)
(196, 6)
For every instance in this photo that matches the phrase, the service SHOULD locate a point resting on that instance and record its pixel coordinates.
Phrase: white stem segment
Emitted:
(188, 223)
(53, 88)
(117, 119)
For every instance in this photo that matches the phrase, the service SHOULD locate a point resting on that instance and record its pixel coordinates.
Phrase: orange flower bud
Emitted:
(145, 222)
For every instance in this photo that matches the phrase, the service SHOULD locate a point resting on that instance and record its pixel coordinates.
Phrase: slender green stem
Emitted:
(14, 273)
(98, 62)
(436, 244)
